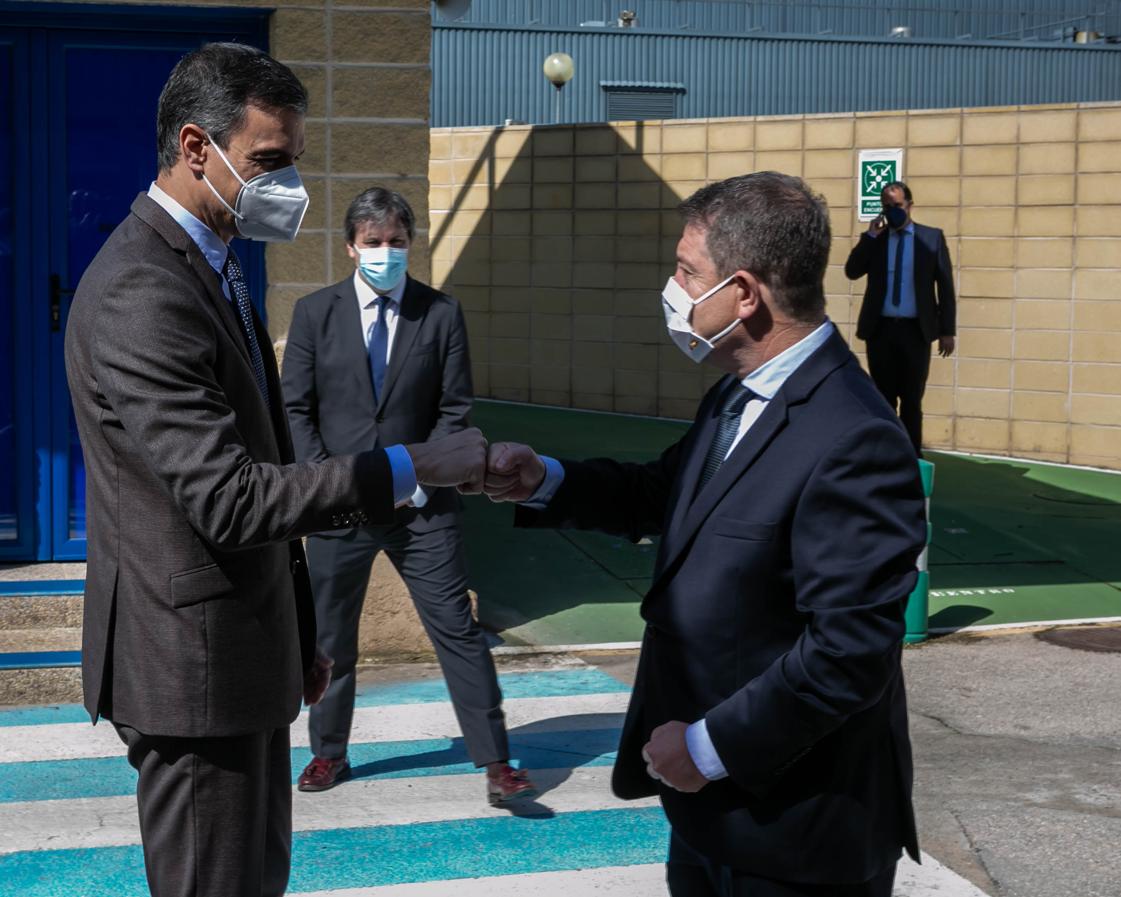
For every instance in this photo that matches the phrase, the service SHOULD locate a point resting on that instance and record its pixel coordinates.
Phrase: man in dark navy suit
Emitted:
(908, 303)
(768, 711)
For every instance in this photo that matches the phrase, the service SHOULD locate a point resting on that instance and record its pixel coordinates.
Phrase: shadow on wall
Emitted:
(558, 241)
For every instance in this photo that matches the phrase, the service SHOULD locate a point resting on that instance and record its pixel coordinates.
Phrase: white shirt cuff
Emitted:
(703, 753)
(554, 476)
(419, 498)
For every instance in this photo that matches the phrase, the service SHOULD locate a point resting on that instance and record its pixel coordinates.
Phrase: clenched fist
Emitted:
(514, 472)
(457, 460)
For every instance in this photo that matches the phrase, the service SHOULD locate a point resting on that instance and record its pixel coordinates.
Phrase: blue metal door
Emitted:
(78, 94)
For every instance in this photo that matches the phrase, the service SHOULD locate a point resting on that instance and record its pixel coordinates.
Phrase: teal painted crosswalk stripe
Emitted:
(533, 684)
(113, 777)
(381, 855)
(36, 587)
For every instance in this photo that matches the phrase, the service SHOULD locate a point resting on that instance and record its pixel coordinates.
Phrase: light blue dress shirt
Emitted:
(765, 381)
(215, 250)
(907, 307)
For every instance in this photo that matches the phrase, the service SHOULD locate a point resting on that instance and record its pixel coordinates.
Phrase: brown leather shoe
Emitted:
(509, 784)
(322, 773)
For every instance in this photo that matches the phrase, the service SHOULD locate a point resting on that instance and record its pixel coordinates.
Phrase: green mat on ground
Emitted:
(1013, 541)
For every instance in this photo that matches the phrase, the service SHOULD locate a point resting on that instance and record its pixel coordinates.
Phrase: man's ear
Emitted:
(193, 147)
(749, 297)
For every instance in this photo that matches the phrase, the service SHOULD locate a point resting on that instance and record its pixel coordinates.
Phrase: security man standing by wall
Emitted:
(908, 303)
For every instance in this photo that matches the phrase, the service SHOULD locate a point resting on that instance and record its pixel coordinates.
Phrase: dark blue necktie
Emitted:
(379, 346)
(239, 289)
(726, 429)
(897, 278)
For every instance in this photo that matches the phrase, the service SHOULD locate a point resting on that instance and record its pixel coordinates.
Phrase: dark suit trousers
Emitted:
(691, 874)
(899, 362)
(433, 567)
(215, 813)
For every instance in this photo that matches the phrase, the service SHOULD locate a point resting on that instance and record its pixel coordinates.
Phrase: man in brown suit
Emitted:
(199, 630)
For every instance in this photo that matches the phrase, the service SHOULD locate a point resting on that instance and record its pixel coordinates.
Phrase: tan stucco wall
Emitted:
(557, 240)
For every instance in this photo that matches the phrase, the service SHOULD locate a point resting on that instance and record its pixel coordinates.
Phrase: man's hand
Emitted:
(877, 226)
(946, 346)
(514, 472)
(668, 760)
(457, 460)
(317, 678)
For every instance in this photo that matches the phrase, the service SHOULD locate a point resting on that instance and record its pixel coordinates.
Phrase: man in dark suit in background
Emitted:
(908, 303)
(199, 632)
(375, 359)
(768, 710)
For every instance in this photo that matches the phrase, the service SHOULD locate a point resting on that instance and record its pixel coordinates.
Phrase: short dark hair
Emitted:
(213, 86)
(772, 225)
(896, 185)
(379, 205)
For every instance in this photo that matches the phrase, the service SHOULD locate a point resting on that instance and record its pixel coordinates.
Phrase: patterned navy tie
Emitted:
(897, 274)
(239, 289)
(726, 429)
(379, 347)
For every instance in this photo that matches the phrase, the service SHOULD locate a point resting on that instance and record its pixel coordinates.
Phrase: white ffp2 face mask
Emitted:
(678, 308)
(269, 207)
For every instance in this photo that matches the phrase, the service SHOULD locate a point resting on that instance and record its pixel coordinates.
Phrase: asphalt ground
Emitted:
(1017, 747)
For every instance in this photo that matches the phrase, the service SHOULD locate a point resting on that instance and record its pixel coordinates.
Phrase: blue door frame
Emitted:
(59, 54)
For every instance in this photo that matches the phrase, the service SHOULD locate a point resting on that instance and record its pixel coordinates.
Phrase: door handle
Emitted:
(57, 292)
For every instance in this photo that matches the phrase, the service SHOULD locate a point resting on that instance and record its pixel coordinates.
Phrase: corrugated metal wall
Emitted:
(485, 75)
(927, 18)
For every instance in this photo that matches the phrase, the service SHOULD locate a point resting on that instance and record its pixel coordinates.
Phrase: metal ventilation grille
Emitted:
(641, 104)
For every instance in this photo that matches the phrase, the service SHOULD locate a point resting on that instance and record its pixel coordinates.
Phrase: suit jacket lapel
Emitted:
(689, 515)
(151, 213)
(686, 484)
(409, 321)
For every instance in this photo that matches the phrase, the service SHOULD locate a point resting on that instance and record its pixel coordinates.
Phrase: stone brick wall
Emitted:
(557, 240)
(366, 66)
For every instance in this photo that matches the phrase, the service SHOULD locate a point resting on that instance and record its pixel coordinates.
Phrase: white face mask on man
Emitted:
(269, 207)
(678, 308)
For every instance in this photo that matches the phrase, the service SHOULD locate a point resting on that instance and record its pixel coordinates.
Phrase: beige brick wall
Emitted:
(557, 240)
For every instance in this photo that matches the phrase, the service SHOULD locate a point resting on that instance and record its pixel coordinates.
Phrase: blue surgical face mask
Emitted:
(383, 267)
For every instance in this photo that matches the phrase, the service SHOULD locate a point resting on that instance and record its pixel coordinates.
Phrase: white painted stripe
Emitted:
(608, 881)
(400, 722)
(112, 821)
(931, 879)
